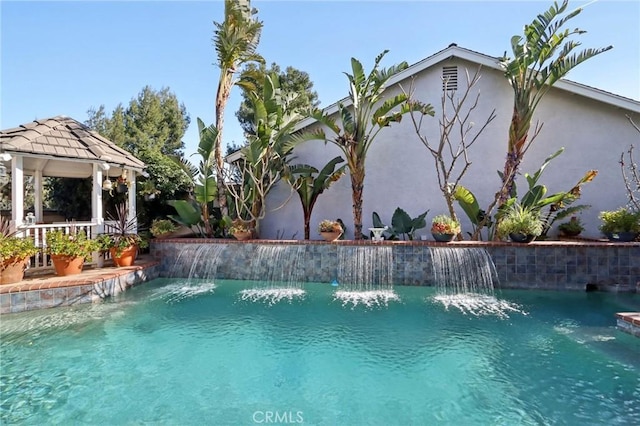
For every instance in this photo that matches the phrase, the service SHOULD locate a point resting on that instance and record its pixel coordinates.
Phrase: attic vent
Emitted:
(449, 78)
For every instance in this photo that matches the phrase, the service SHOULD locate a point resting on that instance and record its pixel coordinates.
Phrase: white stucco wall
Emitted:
(400, 171)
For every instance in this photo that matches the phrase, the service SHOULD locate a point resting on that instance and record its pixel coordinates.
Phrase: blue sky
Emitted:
(61, 58)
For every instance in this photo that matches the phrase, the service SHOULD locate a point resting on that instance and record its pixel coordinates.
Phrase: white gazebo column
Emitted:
(97, 213)
(131, 178)
(37, 188)
(17, 191)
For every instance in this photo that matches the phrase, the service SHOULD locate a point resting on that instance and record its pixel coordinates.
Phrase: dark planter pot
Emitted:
(122, 188)
(443, 238)
(521, 238)
(622, 237)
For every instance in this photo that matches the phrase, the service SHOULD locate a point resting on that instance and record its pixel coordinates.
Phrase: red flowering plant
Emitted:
(444, 224)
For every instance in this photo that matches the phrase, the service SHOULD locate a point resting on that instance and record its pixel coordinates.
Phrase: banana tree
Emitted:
(541, 58)
(202, 176)
(266, 157)
(361, 119)
(236, 41)
(309, 187)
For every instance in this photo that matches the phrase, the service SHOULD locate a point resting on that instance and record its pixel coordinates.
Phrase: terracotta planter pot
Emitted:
(127, 256)
(331, 236)
(12, 270)
(242, 236)
(67, 265)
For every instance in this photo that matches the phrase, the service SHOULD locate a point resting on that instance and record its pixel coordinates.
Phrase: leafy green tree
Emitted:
(291, 80)
(265, 160)
(362, 119)
(309, 183)
(541, 58)
(151, 128)
(236, 41)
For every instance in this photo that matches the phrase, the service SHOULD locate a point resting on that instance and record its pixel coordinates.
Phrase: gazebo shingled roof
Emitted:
(48, 145)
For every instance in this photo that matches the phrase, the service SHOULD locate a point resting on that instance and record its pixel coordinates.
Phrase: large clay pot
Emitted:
(242, 235)
(331, 236)
(67, 265)
(127, 256)
(12, 270)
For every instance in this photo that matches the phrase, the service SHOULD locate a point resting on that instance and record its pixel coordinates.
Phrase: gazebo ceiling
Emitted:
(63, 147)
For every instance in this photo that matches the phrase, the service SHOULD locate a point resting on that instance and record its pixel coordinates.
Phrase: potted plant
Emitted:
(122, 185)
(104, 245)
(520, 224)
(571, 228)
(125, 241)
(240, 230)
(161, 228)
(69, 251)
(14, 254)
(444, 228)
(148, 190)
(620, 225)
(330, 230)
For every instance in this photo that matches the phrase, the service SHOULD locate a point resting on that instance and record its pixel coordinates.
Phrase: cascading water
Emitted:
(201, 275)
(365, 275)
(279, 273)
(464, 278)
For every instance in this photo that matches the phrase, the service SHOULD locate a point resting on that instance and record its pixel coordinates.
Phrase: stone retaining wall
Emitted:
(549, 265)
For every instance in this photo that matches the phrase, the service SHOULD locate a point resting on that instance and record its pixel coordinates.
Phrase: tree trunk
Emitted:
(307, 227)
(357, 187)
(224, 90)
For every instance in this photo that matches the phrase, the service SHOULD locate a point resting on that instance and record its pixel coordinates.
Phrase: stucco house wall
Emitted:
(400, 172)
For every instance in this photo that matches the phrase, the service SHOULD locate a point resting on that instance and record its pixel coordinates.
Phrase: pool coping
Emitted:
(92, 285)
(629, 322)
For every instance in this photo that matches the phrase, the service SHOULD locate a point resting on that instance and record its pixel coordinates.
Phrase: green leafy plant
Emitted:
(309, 184)
(445, 224)
(329, 226)
(74, 244)
(621, 220)
(521, 220)
(401, 224)
(12, 246)
(572, 227)
(238, 225)
(161, 227)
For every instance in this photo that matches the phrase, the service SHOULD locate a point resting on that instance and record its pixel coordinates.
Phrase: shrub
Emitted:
(621, 220)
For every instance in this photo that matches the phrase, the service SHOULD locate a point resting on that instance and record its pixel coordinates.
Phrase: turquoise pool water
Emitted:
(177, 353)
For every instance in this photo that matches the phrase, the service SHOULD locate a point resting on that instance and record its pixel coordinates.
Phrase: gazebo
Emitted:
(63, 147)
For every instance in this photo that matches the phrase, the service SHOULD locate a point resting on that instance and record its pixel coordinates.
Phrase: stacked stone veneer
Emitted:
(539, 265)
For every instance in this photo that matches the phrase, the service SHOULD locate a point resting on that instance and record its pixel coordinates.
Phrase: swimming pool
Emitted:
(171, 352)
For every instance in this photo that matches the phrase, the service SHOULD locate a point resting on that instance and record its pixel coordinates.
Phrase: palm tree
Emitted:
(309, 187)
(236, 41)
(362, 118)
(541, 58)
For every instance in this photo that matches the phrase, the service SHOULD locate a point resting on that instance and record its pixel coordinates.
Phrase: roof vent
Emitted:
(449, 78)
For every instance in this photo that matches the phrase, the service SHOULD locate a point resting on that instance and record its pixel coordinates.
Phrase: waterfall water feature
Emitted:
(278, 272)
(203, 266)
(464, 279)
(365, 275)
